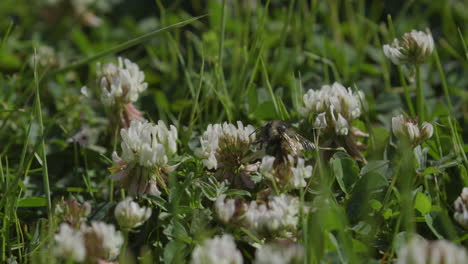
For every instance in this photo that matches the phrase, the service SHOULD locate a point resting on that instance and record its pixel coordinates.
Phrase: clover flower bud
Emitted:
(218, 250)
(69, 244)
(461, 208)
(130, 215)
(414, 47)
(435, 252)
(427, 130)
(406, 129)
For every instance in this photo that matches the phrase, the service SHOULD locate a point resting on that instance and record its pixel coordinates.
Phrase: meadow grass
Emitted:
(215, 61)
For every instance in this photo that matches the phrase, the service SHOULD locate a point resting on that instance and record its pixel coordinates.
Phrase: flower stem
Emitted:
(420, 95)
(406, 92)
(125, 244)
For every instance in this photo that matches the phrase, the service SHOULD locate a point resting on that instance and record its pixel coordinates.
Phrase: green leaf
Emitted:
(338, 172)
(430, 170)
(265, 110)
(209, 191)
(422, 203)
(33, 201)
(346, 171)
(379, 166)
(430, 224)
(173, 252)
(376, 205)
(463, 174)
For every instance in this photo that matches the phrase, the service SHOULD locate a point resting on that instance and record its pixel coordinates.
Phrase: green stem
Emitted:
(406, 92)
(45, 172)
(420, 95)
(125, 244)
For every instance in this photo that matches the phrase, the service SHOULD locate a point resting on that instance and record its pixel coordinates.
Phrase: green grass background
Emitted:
(235, 63)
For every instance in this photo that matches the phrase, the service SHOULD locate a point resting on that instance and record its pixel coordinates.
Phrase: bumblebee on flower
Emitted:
(225, 149)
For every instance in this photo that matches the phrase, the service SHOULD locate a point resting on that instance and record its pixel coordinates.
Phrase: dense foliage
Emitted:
(149, 131)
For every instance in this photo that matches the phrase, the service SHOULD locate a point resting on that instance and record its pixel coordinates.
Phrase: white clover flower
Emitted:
(130, 215)
(225, 209)
(146, 150)
(280, 254)
(341, 125)
(321, 121)
(218, 250)
(219, 141)
(427, 130)
(121, 83)
(69, 244)
(278, 215)
(300, 173)
(461, 208)
(408, 130)
(421, 251)
(102, 240)
(414, 48)
(147, 144)
(46, 56)
(266, 167)
(335, 107)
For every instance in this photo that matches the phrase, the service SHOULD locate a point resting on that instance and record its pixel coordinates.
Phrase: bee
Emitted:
(281, 140)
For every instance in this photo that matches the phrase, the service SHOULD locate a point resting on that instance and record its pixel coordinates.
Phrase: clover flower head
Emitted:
(147, 144)
(421, 251)
(280, 253)
(102, 241)
(225, 208)
(461, 208)
(121, 83)
(335, 106)
(46, 56)
(130, 215)
(218, 250)
(146, 151)
(414, 47)
(279, 215)
(69, 244)
(407, 129)
(224, 143)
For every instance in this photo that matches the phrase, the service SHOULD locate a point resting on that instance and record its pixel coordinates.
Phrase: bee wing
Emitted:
(306, 144)
(297, 143)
